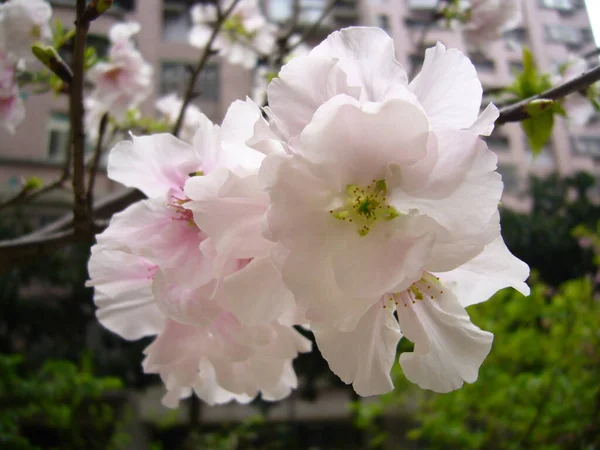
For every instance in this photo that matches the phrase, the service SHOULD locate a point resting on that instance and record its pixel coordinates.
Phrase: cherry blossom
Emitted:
(244, 36)
(170, 106)
(12, 110)
(23, 22)
(360, 62)
(487, 20)
(125, 80)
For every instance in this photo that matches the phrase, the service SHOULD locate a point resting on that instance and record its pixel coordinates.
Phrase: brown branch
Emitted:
(206, 54)
(315, 25)
(19, 251)
(517, 112)
(27, 194)
(76, 112)
(96, 161)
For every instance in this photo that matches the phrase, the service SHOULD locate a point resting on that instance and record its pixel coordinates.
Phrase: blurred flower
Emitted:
(12, 111)
(244, 36)
(170, 106)
(23, 22)
(125, 80)
(488, 20)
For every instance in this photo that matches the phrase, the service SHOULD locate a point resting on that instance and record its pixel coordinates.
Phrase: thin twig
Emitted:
(27, 194)
(76, 111)
(315, 25)
(517, 111)
(96, 161)
(206, 54)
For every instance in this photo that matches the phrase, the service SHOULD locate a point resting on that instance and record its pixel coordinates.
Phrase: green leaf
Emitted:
(538, 130)
(33, 183)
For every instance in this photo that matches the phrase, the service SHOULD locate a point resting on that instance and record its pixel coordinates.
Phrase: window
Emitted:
(383, 22)
(423, 4)
(174, 76)
(561, 5)
(310, 10)
(510, 177)
(515, 39)
(416, 62)
(482, 63)
(563, 34)
(587, 146)
(177, 21)
(497, 143)
(516, 67)
(58, 136)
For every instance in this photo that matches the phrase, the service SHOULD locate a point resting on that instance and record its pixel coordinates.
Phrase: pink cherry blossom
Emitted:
(12, 110)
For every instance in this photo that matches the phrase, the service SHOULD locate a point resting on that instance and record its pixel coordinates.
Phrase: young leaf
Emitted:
(538, 130)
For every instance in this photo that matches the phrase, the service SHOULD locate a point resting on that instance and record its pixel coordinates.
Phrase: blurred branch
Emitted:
(518, 112)
(76, 112)
(27, 193)
(591, 53)
(315, 25)
(206, 54)
(23, 250)
(96, 161)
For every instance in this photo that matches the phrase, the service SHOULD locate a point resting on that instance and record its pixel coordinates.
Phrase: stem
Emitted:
(96, 162)
(206, 54)
(517, 112)
(76, 111)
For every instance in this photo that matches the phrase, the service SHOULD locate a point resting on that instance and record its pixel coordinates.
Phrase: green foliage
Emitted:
(543, 238)
(538, 128)
(32, 183)
(61, 399)
(538, 387)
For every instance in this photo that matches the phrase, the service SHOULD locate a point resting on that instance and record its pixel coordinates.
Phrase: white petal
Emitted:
(449, 349)
(484, 125)
(448, 88)
(493, 269)
(367, 56)
(357, 143)
(365, 356)
(123, 294)
(152, 164)
(256, 294)
(302, 86)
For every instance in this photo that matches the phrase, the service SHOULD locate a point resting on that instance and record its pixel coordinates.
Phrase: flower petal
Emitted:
(493, 269)
(367, 56)
(448, 348)
(364, 356)
(448, 88)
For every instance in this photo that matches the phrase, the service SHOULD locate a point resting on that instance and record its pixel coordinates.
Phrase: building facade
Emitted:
(552, 29)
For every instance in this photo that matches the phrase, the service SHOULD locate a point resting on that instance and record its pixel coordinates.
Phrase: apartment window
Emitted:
(563, 34)
(587, 146)
(561, 5)
(482, 63)
(174, 76)
(177, 21)
(510, 177)
(58, 136)
(516, 67)
(423, 4)
(310, 10)
(416, 63)
(383, 22)
(515, 39)
(497, 143)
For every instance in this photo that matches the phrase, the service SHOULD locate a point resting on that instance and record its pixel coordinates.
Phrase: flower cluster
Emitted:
(364, 208)
(121, 83)
(22, 22)
(170, 106)
(245, 35)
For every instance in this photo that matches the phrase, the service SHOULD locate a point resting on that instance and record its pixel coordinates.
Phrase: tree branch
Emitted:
(96, 162)
(206, 54)
(517, 112)
(315, 25)
(76, 112)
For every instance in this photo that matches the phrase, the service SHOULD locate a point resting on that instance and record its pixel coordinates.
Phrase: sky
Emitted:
(593, 7)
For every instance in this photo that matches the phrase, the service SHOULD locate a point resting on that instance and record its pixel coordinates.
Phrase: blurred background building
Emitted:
(552, 29)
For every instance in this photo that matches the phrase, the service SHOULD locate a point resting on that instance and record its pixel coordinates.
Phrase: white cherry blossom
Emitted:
(487, 20)
(12, 110)
(170, 106)
(23, 22)
(244, 36)
(125, 80)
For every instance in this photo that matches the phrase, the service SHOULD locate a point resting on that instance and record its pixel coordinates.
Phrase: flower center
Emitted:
(180, 212)
(428, 287)
(364, 206)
